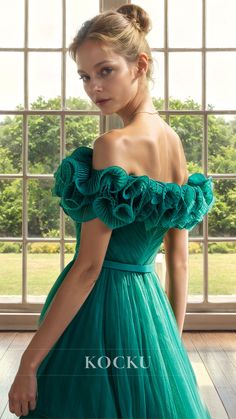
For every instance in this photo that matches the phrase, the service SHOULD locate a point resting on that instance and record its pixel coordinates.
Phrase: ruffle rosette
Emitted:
(119, 198)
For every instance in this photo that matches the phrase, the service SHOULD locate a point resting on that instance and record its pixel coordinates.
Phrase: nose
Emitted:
(95, 86)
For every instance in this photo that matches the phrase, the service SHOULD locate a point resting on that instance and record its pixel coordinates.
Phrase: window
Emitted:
(45, 112)
(194, 46)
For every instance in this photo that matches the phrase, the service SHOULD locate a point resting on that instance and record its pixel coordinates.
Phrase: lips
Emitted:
(102, 101)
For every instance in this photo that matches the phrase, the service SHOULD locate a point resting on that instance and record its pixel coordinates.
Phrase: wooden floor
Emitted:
(212, 355)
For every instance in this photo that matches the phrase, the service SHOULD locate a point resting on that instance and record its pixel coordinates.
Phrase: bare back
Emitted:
(149, 146)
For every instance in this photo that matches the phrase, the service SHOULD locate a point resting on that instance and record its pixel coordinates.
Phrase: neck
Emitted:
(141, 102)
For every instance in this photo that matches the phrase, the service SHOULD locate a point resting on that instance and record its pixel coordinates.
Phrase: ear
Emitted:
(142, 64)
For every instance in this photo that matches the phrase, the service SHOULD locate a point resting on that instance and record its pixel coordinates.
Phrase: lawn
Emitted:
(43, 270)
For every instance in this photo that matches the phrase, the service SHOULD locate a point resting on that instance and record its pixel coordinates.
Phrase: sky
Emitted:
(184, 31)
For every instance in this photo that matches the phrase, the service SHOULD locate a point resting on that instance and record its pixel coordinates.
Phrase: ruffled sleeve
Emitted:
(118, 198)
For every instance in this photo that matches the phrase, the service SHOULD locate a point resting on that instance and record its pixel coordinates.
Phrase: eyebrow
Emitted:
(96, 65)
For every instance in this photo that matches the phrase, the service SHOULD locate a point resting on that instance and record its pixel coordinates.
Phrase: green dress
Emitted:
(122, 356)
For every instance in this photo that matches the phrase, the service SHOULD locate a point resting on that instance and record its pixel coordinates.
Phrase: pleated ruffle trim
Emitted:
(119, 198)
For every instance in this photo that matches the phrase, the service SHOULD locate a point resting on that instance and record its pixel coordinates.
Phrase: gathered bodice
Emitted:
(139, 209)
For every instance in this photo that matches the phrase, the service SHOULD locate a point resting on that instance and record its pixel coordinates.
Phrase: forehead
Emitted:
(92, 52)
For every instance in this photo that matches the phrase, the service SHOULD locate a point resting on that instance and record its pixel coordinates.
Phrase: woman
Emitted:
(109, 342)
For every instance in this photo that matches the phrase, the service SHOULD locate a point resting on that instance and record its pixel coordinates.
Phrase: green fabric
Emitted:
(128, 266)
(127, 314)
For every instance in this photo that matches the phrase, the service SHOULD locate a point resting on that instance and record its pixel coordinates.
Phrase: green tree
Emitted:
(43, 154)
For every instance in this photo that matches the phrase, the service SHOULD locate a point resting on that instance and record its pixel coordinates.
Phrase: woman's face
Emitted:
(106, 75)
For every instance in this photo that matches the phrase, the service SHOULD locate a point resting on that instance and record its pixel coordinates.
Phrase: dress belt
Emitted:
(128, 267)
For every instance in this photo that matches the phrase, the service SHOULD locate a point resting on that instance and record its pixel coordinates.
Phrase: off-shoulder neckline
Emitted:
(129, 175)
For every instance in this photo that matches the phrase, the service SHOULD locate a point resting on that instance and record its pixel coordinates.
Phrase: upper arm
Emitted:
(176, 240)
(95, 234)
(178, 162)
(94, 239)
(176, 249)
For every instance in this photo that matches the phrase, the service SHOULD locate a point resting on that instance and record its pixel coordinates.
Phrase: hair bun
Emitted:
(138, 16)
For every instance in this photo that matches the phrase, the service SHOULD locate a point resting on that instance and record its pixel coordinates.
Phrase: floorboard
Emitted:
(212, 356)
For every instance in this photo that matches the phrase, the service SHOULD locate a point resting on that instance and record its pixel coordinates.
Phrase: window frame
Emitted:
(204, 315)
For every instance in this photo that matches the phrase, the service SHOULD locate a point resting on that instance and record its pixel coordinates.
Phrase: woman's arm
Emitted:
(70, 296)
(72, 293)
(75, 288)
(176, 246)
(78, 283)
(176, 255)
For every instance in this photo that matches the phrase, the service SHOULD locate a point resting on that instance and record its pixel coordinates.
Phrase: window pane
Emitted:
(222, 272)
(190, 130)
(45, 80)
(185, 79)
(70, 228)
(11, 144)
(10, 272)
(195, 287)
(44, 143)
(43, 263)
(11, 208)
(45, 23)
(43, 209)
(76, 14)
(185, 23)
(11, 80)
(222, 218)
(155, 9)
(12, 23)
(221, 87)
(222, 144)
(220, 23)
(80, 130)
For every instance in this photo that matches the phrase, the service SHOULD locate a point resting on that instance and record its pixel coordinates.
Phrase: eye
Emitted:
(82, 77)
(108, 70)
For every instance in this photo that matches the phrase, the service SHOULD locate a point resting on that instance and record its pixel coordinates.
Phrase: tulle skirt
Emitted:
(121, 356)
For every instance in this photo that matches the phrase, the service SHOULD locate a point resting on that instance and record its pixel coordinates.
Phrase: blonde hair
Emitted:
(124, 29)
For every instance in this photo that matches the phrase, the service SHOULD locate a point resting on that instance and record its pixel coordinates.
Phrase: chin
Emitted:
(106, 113)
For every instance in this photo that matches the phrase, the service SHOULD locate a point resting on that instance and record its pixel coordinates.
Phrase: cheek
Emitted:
(121, 81)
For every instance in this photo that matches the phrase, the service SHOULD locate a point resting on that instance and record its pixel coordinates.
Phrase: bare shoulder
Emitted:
(107, 150)
(115, 148)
